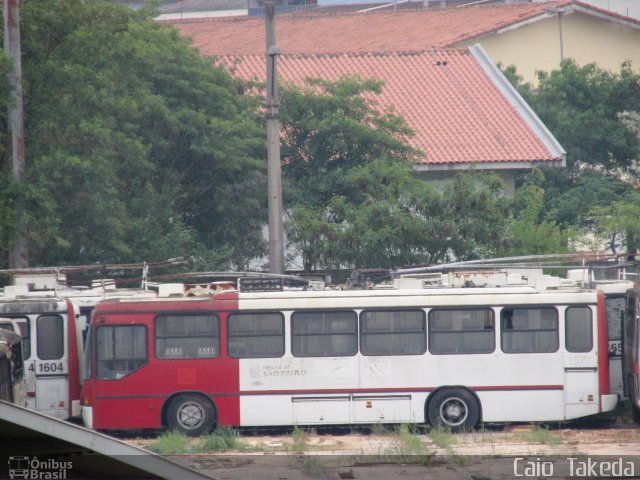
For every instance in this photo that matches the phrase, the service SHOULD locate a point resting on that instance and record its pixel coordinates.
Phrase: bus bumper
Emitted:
(87, 416)
(608, 402)
(76, 408)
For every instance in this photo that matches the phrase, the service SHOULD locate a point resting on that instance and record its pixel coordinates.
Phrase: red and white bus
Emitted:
(51, 330)
(453, 357)
(52, 323)
(615, 295)
(631, 351)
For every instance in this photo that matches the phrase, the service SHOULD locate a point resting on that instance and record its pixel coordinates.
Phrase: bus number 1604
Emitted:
(47, 368)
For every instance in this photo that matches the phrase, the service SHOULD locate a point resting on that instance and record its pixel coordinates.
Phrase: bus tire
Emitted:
(453, 409)
(190, 414)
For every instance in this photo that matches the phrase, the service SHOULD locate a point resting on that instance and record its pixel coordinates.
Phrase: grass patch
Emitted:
(442, 438)
(299, 439)
(409, 447)
(170, 443)
(541, 436)
(409, 441)
(380, 429)
(221, 439)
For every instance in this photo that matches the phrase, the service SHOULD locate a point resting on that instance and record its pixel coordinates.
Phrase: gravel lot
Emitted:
(409, 454)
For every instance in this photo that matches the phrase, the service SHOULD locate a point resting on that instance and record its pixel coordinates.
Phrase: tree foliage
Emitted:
(8, 190)
(619, 222)
(532, 230)
(137, 148)
(594, 115)
(353, 199)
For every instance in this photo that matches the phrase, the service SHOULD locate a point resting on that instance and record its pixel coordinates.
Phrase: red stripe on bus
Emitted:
(491, 388)
(219, 395)
(72, 356)
(603, 350)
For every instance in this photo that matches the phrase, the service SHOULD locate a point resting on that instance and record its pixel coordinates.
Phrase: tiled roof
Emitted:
(338, 32)
(458, 113)
(202, 5)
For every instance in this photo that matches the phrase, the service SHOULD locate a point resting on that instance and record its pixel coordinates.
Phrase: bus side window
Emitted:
(256, 335)
(529, 330)
(324, 334)
(392, 332)
(578, 329)
(121, 349)
(461, 331)
(187, 336)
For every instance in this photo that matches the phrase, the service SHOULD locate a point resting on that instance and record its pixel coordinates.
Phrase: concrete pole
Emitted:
(19, 253)
(274, 168)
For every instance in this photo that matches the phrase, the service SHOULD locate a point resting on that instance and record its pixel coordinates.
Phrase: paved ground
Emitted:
(481, 455)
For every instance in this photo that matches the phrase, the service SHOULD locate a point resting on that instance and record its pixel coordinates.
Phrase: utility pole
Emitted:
(274, 169)
(19, 253)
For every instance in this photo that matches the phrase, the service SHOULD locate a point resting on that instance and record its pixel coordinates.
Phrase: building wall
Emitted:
(584, 38)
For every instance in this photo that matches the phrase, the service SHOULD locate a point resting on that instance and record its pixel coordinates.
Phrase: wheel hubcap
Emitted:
(190, 416)
(453, 412)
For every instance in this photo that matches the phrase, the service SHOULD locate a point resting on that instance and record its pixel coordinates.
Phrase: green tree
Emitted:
(619, 222)
(137, 148)
(593, 114)
(532, 231)
(329, 129)
(8, 190)
(353, 200)
(475, 215)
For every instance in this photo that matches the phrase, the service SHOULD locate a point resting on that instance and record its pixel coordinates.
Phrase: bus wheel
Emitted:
(456, 410)
(190, 414)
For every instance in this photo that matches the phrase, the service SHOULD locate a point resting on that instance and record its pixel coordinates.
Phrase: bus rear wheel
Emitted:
(190, 414)
(453, 409)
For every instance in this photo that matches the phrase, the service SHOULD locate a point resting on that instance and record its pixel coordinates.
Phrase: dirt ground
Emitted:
(485, 454)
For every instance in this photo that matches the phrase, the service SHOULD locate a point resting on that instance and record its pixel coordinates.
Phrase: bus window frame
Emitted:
(218, 337)
(473, 309)
(533, 306)
(97, 351)
(361, 331)
(566, 327)
(292, 316)
(283, 335)
(26, 335)
(61, 339)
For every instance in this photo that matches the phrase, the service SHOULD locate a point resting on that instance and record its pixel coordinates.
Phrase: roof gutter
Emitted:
(515, 99)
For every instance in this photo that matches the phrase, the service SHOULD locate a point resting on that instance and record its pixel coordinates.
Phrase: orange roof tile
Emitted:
(458, 113)
(339, 31)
